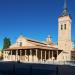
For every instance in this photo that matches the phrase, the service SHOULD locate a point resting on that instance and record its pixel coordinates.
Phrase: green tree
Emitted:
(6, 43)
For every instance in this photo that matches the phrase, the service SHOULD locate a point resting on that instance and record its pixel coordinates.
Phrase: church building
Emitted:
(28, 50)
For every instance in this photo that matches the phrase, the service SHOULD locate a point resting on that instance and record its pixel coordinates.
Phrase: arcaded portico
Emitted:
(28, 50)
(31, 54)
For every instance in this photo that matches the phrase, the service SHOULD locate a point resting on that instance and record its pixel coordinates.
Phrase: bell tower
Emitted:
(64, 30)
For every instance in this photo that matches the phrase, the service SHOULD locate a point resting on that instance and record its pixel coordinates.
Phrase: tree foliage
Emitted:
(6, 43)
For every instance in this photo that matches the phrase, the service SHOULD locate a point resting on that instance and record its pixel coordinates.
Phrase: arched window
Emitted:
(65, 26)
(61, 27)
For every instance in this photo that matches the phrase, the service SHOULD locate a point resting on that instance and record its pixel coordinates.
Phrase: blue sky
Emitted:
(34, 19)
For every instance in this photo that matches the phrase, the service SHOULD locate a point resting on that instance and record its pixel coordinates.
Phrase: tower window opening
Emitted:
(61, 27)
(65, 26)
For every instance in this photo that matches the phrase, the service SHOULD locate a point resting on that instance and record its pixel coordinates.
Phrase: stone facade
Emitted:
(47, 50)
(29, 50)
(64, 35)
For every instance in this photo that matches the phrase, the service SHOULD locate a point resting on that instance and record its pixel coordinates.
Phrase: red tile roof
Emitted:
(33, 47)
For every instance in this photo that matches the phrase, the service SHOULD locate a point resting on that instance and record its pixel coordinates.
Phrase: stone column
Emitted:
(41, 55)
(20, 55)
(4, 55)
(25, 55)
(36, 52)
(52, 54)
(16, 55)
(45, 55)
(49, 54)
(36, 55)
(57, 53)
(31, 54)
(11, 56)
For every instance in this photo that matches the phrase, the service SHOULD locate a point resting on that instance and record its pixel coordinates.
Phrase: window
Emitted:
(61, 27)
(20, 43)
(65, 26)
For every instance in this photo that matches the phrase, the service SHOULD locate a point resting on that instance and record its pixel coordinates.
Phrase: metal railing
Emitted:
(55, 62)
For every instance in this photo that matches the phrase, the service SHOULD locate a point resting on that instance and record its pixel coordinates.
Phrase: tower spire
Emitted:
(65, 4)
(65, 10)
